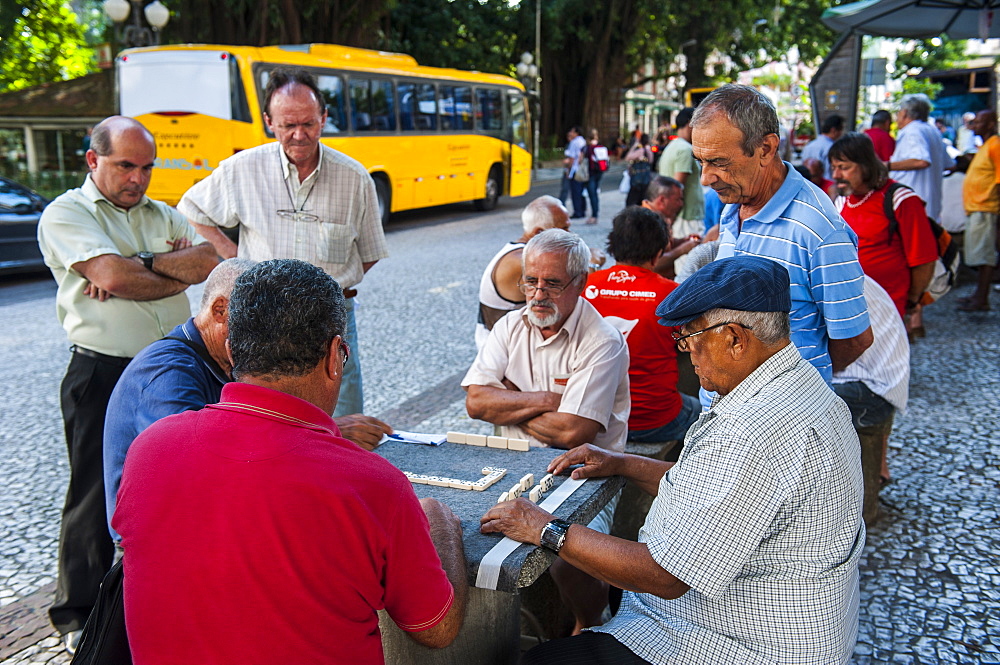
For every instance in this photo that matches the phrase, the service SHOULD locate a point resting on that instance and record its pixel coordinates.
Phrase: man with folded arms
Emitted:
(750, 552)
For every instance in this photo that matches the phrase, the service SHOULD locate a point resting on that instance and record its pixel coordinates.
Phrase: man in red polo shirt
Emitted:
(253, 532)
(627, 295)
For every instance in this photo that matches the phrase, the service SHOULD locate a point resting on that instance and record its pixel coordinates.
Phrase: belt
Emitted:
(118, 361)
(350, 293)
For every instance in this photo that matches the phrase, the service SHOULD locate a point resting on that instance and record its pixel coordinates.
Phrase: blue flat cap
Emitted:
(744, 283)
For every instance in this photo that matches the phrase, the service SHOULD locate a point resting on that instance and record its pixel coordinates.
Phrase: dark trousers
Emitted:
(587, 647)
(594, 191)
(576, 194)
(85, 548)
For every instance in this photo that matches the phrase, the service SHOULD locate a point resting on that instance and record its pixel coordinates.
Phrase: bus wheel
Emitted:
(493, 186)
(384, 195)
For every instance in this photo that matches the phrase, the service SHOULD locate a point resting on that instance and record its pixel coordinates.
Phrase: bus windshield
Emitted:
(176, 81)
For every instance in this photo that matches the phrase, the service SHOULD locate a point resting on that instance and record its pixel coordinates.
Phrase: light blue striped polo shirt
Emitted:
(800, 229)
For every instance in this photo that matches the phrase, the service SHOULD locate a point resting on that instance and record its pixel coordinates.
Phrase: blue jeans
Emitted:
(351, 398)
(676, 429)
(594, 191)
(867, 408)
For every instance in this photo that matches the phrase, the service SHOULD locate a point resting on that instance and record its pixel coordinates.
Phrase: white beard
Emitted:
(543, 321)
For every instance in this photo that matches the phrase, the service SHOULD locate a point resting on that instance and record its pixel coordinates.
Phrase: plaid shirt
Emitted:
(341, 228)
(761, 517)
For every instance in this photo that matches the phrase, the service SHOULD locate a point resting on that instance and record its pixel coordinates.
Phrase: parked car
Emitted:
(20, 209)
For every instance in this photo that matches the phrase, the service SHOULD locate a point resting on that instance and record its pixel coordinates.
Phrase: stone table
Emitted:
(491, 631)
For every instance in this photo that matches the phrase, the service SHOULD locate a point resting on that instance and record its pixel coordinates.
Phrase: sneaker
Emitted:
(70, 641)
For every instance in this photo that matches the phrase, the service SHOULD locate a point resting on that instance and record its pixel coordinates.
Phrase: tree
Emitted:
(928, 55)
(464, 34)
(268, 22)
(40, 41)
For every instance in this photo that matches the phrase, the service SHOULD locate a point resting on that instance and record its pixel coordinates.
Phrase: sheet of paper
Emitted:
(414, 437)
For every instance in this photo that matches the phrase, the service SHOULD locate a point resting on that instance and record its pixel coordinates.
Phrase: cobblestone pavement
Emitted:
(930, 578)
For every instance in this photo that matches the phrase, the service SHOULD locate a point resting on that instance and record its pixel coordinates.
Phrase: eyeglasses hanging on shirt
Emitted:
(296, 214)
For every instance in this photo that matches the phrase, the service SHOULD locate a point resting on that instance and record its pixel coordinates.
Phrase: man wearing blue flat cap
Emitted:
(750, 551)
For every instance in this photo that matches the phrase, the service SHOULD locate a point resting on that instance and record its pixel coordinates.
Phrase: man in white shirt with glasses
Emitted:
(556, 373)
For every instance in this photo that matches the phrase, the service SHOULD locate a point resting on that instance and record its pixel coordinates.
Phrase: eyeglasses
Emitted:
(347, 351)
(298, 216)
(681, 340)
(554, 291)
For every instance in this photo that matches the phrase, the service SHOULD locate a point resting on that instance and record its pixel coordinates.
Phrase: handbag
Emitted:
(582, 171)
(104, 640)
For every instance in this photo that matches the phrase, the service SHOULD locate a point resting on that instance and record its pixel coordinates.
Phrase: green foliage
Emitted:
(464, 34)
(928, 55)
(43, 43)
(913, 85)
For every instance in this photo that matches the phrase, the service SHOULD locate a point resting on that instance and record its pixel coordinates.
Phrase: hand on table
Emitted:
(519, 520)
(362, 430)
(597, 462)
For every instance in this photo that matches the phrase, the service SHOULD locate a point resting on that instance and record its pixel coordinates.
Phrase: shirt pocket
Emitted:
(559, 382)
(335, 242)
(159, 245)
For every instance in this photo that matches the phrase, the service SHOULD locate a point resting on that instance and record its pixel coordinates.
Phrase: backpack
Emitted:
(598, 155)
(946, 269)
(640, 173)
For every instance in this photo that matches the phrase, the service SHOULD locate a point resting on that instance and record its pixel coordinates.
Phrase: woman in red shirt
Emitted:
(902, 261)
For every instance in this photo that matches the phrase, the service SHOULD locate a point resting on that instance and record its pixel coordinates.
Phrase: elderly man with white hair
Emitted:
(556, 373)
(498, 290)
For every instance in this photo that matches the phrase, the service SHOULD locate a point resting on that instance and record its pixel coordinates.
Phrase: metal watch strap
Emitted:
(554, 535)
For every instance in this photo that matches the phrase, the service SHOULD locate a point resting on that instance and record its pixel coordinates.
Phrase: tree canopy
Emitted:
(40, 41)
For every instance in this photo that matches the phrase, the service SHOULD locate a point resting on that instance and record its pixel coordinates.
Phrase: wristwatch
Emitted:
(554, 535)
(147, 260)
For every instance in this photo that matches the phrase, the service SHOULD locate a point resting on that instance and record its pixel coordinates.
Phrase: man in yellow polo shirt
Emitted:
(982, 203)
(122, 263)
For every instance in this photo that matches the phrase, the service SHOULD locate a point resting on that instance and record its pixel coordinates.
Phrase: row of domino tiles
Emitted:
(536, 492)
(491, 475)
(503, 442)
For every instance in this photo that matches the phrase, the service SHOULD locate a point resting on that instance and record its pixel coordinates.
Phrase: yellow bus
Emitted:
(693, 96)
(428, 136)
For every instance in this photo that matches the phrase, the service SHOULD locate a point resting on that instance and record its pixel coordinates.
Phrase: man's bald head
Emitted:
(545, 212)
(105, 134)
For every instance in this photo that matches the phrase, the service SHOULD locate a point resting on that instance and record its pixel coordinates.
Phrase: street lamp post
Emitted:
(137, 32)
(527, 73)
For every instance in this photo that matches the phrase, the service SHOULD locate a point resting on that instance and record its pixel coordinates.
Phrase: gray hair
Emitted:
(746, 108)
(557, 241)
(283, 314)
(104, 134)
(917, 105)
(540, 213)
(221, 280)
(769, 327)
(662, 185)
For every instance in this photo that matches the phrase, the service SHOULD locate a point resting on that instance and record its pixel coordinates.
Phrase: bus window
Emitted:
(192, 82)
(426, 107)
(361, 106)
(383, 109)
(332, 88)
(446, 106)
(463, 108)
(489, 110)
(518, 120)
(407, 99)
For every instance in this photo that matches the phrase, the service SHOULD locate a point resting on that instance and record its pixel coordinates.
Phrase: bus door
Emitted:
(461, 163)
(519, 135)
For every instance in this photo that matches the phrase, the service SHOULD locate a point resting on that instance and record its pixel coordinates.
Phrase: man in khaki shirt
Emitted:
(122, 263)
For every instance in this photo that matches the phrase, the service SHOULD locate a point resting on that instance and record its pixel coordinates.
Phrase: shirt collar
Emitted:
(779, 363)
(773, 208)
(191, 332)
(90, 190)
(289, 169)
(276, 405)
